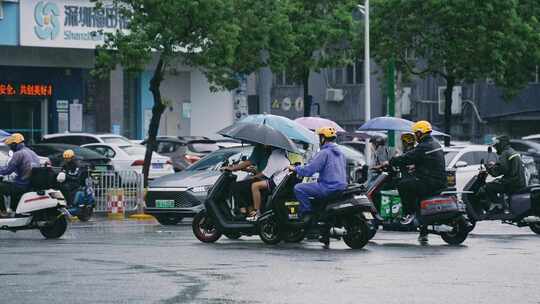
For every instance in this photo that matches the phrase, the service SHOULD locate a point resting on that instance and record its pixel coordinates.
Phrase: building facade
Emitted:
(47, 53)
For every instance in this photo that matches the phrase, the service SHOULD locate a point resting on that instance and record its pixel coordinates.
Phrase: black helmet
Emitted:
(500, 143)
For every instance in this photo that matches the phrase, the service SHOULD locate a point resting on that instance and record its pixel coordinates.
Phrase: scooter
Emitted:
(443, 214)
(83, 199)
(41, 208)
(341, 216)
(521, 208)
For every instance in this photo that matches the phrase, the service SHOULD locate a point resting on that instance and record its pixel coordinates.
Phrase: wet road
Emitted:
(143, 262)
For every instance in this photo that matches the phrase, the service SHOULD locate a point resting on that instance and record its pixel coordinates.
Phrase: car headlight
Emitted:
(200, 189)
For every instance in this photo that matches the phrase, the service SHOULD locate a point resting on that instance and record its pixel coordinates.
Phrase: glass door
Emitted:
(24, 116)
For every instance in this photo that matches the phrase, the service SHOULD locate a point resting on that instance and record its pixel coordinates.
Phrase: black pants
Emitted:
(412, 189)
(13, 191)
(242, 192)
(490, 193)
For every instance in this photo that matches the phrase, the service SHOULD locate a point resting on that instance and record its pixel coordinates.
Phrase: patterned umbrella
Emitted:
(314, 123)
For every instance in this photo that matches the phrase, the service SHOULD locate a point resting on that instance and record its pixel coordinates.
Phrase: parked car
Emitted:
(131, 158)
(529, 148)
(183, 153)
(465, 160)
(534, 137)
(173, 197)
(79, 139)
(86, 157)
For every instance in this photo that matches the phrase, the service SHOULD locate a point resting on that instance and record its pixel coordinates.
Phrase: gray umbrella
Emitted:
(261, 134)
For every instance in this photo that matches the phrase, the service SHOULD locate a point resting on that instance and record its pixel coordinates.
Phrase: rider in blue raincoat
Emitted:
(330, 163)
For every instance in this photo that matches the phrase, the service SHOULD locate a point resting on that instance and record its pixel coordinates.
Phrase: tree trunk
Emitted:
(157, 110)
(450, 82)
(307, 97)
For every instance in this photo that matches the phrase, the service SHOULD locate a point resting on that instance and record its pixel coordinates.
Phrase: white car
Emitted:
(466, 161)
(79, 139)
(131, 158)
(5, 156)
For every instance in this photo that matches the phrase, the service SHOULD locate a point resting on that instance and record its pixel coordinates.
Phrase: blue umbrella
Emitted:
(4, 134)
(290, 128)
(385, 123)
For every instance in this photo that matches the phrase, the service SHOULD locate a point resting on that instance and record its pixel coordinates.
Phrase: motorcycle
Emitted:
(443, 214)
(521, 208)
(41, 208)
(83, 199)
(343, 215)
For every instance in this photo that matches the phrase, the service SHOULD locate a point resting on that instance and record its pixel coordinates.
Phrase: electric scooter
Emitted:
(83, 202)
(521, 208)
(443, 214)
(342, 216)
(41, 208)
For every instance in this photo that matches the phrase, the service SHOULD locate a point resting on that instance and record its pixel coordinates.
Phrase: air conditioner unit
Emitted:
(456, 100)
(406, 101)
(335, 95)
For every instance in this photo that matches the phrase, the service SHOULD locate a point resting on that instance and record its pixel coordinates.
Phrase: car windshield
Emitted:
(117, 140)
(449, 156)
(134, 150)
(203, 147)
(215, 158)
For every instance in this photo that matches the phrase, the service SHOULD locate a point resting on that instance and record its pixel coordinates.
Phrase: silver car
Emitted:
(173, 197)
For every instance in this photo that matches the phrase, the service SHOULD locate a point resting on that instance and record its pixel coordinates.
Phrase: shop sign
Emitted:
(68, 23)
(9, 89)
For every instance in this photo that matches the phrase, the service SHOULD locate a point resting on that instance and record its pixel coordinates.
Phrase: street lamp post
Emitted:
(367, 75)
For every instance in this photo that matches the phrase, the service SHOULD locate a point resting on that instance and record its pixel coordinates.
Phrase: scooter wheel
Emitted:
(373, 228)
(85, 214)
(55, 230)
(204, 228)
(458, 236)
(535, 228)
(269, 231)
(357, 232)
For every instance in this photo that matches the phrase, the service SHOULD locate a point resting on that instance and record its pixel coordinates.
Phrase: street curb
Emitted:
(141, 217)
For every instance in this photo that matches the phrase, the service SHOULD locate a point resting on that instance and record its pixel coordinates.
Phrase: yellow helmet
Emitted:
(407, 138)
(15, 138)
(327, 132)
(422, 126)
(68, 154)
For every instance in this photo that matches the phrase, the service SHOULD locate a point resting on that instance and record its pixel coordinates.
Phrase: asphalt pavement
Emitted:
(143, 262)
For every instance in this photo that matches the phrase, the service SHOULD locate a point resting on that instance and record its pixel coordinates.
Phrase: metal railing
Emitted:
(128, 185)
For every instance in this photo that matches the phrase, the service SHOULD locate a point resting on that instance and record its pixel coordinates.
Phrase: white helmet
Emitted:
(61, 177)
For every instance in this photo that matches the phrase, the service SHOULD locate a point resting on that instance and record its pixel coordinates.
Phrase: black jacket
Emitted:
(511, 167)
(428, 160)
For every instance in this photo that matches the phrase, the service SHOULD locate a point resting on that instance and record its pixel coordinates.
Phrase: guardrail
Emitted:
(128, 185)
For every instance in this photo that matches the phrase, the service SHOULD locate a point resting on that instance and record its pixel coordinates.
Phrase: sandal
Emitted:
(253, 216)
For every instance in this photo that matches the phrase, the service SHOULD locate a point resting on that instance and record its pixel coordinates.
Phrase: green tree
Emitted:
(323, 33)
(196, 33)
(458, 40)
(207, 34)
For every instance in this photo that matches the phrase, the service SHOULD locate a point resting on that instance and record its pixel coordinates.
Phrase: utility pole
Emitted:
(391, 100)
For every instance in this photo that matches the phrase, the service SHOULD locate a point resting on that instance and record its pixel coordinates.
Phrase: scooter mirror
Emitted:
(244, 158)
(490, 149)
(482, 161)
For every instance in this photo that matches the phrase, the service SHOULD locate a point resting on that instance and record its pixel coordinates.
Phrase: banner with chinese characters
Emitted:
(67, 23)
(25, 89)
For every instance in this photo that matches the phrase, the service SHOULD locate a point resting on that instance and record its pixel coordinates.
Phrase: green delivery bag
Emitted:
(390, 205)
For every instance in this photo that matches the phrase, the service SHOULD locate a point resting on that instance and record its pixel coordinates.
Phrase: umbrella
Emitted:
(290, 128)
(4, 134)
(258, 133)
(385, 123)
(314, 123)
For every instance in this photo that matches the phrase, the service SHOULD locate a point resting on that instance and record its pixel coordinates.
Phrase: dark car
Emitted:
(86, 157)
(528, 148)
(173, 197)
(184, 152)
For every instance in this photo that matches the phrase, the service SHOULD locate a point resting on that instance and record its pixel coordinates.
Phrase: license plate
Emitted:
(157, 166)
(165, 203)
(368, 215)
(100, 168)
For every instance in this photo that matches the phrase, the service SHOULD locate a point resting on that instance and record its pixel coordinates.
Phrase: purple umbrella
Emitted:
(314, 123)
(385, 123)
